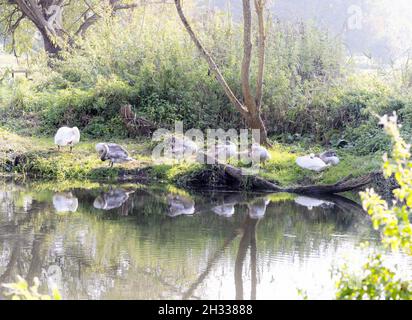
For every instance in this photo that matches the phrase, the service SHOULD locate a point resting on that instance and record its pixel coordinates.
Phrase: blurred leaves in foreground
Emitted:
(20, 290)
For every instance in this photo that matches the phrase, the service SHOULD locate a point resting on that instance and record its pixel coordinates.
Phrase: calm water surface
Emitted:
(128, 242)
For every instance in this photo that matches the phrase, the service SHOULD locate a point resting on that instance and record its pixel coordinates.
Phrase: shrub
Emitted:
(376, 281)
(159, 72)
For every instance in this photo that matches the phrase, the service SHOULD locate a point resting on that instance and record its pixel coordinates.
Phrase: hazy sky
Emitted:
(379, 28)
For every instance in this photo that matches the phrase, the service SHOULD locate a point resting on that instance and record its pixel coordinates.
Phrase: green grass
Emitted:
(283, 169)
(44, 161)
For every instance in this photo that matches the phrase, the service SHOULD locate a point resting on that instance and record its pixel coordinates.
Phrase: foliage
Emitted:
(377, 281)
(157, 70)
(394, 220)
(20, 290)
(39, 158)
(131, 58)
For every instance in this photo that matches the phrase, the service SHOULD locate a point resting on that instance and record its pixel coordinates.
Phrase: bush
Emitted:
(376, 281)
(20, 290)
(159, 72)
(96, 111)
(308, 96)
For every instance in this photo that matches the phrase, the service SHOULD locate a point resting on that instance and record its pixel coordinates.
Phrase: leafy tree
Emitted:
(250, 108)
(59, 21)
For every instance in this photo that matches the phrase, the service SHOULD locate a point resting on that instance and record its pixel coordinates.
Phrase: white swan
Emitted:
(189, 146)
(113, 152)
(224, 151)
(312, 163)
(261, 153)
(311, 203)
(330, 157)
(181, 146)
(66, 136)
(65, 202)
(54, 277)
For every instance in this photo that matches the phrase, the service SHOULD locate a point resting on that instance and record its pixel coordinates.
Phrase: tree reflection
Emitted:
(102, 254)
(256, 211)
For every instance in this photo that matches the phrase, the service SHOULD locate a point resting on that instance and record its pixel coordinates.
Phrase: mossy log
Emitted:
(225, 175)
(260, 184)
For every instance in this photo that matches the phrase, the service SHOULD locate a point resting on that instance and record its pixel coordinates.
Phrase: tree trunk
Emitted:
(250, 108)
(50, 47)
(233, 178)
(254, 121)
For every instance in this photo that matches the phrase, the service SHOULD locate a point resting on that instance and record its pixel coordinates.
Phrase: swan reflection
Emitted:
(311, 203)
(257, 208)
(54, 277)
(227, 207)
(180, 205)
(111, 200)
(224, 210)
(65, 202)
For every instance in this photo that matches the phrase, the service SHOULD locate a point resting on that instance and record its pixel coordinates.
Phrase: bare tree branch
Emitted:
(14, 26)
(87, 24)
(212, 64)
(248, 109)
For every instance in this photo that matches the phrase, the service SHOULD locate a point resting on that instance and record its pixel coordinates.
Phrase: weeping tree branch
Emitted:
(87, 24)
(12, 28)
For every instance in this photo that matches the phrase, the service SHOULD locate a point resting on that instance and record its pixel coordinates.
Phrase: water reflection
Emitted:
(180, 205)
(270, 246)
(257, 208)
(226, 207)
(65, 202)
(112, 200)
(247, 241)
(311, 203)
(54, 277)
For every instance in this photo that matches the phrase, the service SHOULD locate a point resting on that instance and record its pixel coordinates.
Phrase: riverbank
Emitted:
(37, 157)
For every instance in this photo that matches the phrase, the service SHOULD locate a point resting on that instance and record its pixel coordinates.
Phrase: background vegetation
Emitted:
(311, 93)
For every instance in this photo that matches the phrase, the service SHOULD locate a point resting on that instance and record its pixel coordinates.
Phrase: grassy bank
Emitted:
(39, 158)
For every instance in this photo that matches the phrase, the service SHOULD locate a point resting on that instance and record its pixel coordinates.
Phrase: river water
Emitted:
(135, 242)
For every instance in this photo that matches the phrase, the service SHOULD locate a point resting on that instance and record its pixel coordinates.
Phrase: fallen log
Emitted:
(347, 184)
(260, 184)
(256, 183)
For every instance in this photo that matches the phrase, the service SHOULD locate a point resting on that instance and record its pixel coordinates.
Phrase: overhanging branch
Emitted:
(211, 62)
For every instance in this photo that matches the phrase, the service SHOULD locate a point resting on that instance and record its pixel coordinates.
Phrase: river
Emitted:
(104, 241)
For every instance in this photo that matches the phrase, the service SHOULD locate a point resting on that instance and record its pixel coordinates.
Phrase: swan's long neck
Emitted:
(105, 152)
